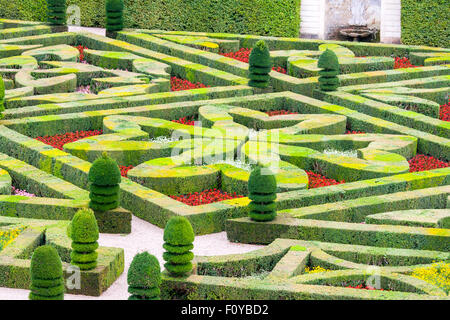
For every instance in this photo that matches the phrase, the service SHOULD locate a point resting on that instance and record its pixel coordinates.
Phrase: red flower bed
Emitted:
(185, 120)
(124, 170)
(444, 114)
(318, 181)
(423, 163)
(58, 141)
(280, 113)
(364, 287)
(205, 197)
(81, 49)
(243, 55)
(178, 84)
(403, 63)
(354, 132)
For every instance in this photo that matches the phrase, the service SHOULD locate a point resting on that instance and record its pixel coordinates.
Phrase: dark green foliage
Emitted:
(114, 15)
(262, 187)
(260, 65)
(47, 282)
(144, 277)
(56, 12)
(2, 96)
(425, 22)
(104, 177)
(84, 234)
(266, 17)
(105, 172)
(329, 63)
(178, 237)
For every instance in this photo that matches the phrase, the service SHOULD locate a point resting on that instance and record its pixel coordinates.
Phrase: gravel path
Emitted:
(144, 237)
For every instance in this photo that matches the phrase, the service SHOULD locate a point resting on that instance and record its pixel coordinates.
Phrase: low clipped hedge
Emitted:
(425, 22)
(263, 17)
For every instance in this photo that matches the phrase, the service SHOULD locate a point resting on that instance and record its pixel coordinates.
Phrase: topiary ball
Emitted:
(262, 181)
(114, 5)
(179, 232)
(84, 227)
(46, 264)
(328, 60)
(105, 172)
(144, 271)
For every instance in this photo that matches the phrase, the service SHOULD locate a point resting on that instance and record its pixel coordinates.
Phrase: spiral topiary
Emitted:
(47, 281)
(178, 242)
(262, 187)
(329, 63)
(114, 15)
(104, 177)
(2, 96)
(56, 12)
(260, 65)
(144, 277)
(84, 233)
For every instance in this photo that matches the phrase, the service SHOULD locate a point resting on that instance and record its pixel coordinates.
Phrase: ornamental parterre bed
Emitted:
(359, 148)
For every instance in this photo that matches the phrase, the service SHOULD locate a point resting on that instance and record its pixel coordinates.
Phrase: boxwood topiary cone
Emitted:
(104, 177)
(84, 234)
(144, 277)
(260, 65)
(262, 187)
(328, 76)
(56, 12)
(47, 282)
(114, 15)
(178, 237)
(2, 96)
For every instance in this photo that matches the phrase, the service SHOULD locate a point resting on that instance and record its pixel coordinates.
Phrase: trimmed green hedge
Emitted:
(425, 22)
(263, 17)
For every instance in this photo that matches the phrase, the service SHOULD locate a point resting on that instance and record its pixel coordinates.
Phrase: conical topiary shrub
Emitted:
(144, 277)
(114, 15)
(260, 65)
(328, 76)
(178, 242)
(83, 231)
(104, 177)
(47, 281)
(2, 96)
(56, 12)
(262, 187)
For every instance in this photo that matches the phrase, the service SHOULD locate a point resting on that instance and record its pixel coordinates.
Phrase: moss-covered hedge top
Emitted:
(84, 227)
(262, 181)
(179, 232)
(144, 271)
(105, 172)
(46, 264)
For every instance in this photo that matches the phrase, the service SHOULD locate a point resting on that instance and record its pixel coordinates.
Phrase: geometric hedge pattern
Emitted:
(382, 218)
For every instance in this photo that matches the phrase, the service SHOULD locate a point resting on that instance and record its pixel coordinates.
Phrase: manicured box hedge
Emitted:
(277, 271)
(264, 17)
(425, 22)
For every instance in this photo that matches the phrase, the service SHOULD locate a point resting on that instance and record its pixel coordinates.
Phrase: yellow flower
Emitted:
(437, 274)
(316, 269)
(6, 237)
